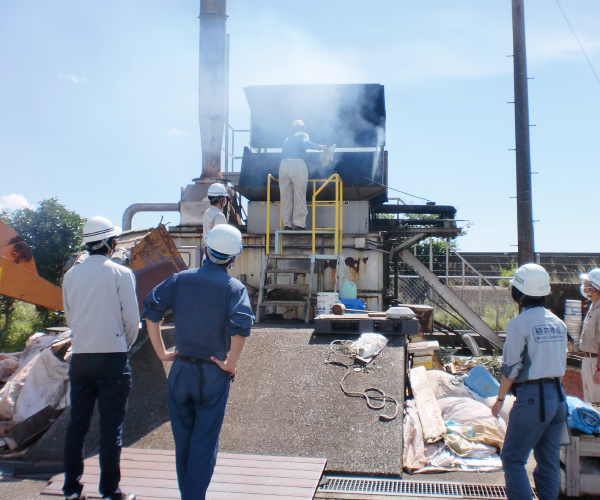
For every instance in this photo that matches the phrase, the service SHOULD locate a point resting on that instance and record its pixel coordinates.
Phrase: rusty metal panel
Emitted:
(153, 260)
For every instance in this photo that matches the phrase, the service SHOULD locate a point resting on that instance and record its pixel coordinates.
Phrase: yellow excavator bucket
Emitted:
(18, 275)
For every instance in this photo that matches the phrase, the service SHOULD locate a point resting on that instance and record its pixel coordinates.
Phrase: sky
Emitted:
(99, 102)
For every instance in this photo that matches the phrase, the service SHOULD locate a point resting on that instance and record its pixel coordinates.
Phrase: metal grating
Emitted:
(399, 487)
(392, 487)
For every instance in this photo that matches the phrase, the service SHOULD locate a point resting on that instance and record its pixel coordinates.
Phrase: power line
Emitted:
(393, 189)
(580, 46)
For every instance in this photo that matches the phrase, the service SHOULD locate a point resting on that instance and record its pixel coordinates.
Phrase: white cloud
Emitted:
(175, 132)
(13, 202)
(73, 78)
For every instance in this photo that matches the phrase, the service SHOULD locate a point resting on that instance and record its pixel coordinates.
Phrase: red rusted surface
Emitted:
(153, 260)
(571, 382)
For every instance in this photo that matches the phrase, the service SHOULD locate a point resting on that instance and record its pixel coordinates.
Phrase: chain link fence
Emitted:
(488, 296)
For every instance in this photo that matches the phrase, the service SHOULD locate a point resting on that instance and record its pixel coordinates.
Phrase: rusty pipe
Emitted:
(212, 83)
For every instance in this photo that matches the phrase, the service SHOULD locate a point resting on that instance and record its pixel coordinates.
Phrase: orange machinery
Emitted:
(18, 275)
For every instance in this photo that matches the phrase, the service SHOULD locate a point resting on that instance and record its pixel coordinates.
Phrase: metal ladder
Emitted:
(275, 270)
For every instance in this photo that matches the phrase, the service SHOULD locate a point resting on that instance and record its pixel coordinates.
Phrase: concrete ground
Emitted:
(303, 412)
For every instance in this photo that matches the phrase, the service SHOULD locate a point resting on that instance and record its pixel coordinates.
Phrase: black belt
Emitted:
(197, 362)
(540, 382)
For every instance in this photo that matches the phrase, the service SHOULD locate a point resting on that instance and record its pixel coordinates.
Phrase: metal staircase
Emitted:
(271, 261)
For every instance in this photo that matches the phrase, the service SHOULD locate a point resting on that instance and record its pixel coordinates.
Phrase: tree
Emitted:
(52, 232)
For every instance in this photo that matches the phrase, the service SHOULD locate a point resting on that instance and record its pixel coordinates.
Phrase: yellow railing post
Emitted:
(268, 213)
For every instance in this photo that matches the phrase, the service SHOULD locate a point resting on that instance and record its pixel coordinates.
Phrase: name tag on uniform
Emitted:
(548, 333)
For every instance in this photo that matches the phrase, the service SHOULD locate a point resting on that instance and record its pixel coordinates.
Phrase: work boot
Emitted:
(299, 228)
(130, 496)
(76, 496)
(287, 228)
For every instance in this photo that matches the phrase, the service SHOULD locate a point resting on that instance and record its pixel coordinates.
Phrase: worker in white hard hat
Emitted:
(218, 198)
(534, 361)
(590, 338)
(102, 312)
(212, 320)
(293, 176)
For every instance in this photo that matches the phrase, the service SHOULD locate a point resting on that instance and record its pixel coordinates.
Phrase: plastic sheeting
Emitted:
(582, 416)
(46, 385)
(437, 457)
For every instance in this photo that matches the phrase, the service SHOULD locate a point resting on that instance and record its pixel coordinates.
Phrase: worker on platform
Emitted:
(535, 358)
(293, 177)
(218, 198)
(212, 320)
(590, 338)
(101, 309)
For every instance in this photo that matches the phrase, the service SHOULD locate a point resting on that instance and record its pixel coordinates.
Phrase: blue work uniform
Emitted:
(209, 308)
(534, 358)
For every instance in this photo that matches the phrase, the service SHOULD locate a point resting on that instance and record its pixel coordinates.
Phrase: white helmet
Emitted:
(298, 123)
(532, 280)
(223, 243)
(99, 229)
(593, 277)
(217, 190)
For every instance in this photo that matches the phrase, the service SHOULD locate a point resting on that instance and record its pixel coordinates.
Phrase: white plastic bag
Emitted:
(369, 345)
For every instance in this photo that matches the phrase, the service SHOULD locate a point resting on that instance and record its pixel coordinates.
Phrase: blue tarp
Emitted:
(582, 416)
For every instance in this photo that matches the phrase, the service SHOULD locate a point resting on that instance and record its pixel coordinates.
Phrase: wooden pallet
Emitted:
(151, 475)
(573, 482)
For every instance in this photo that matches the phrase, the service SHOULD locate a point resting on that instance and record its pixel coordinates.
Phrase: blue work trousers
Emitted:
(527, 432)
(105, 377)
(197, 400)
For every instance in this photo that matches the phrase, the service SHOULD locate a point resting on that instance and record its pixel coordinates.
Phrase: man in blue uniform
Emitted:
(293, 176)
(535, 358)
(212, 320)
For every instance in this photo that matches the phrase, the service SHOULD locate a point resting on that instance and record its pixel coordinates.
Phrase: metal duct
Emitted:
(213, 78)
(146, 207)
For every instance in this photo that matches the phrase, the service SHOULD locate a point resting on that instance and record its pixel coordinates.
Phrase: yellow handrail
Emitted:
(337, 204)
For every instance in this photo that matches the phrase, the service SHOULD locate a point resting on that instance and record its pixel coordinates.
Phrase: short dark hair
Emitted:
(103, 250)
(215, 199)
(527, 300)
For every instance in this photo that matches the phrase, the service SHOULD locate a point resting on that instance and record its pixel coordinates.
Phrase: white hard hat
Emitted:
(99, 229)
(223, 243)
(299, 123)
(532, 280)
(217, 190)
(593, 277)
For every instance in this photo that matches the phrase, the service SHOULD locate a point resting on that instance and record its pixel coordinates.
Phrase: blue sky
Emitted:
(99, 102)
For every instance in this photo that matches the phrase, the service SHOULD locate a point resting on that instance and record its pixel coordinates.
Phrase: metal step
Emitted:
(285, 286)
(283, 303)
(289, 256)
(288, 271)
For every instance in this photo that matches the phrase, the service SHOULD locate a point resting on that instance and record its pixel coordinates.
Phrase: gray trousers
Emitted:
(293, 179)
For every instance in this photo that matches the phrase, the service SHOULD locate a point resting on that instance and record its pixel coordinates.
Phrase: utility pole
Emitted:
(523, 158)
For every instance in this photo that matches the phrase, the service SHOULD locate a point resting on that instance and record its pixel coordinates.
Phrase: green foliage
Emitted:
(52, 232)
(24, 321)
(509, 272)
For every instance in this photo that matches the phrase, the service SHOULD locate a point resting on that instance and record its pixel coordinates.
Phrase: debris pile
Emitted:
(449, 427)
(35, 390)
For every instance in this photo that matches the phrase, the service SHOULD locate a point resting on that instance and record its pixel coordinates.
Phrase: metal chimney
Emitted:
(213, 81)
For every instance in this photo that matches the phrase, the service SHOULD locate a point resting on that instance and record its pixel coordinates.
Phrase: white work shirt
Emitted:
(212, 217)
(101, 306)
(535, 346)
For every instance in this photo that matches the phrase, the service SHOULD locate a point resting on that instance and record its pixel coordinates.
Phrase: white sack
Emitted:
(445, 385)
(10, 392)
(466, 411)
(45, 385)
